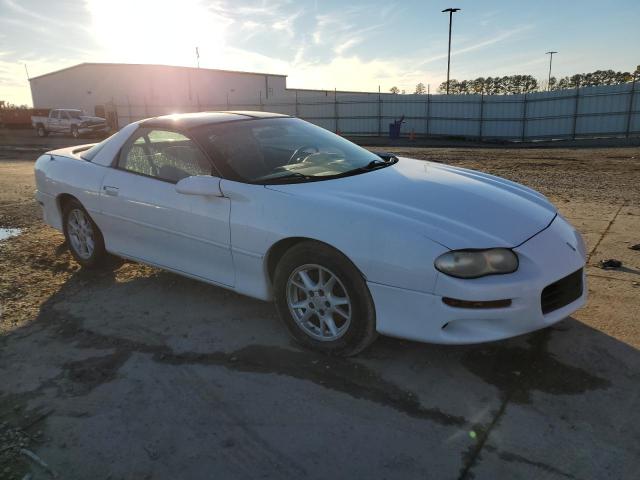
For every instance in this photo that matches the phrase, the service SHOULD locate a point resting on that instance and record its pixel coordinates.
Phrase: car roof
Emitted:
(192, 120)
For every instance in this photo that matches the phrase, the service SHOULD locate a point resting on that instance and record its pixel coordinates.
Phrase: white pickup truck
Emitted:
(69, 121)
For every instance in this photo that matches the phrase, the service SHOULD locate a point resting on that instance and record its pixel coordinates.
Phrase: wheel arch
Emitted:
(282, 246)
(63, 199)
(61, 202)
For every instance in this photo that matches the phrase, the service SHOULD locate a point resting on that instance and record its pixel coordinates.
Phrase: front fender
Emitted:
(383, 248)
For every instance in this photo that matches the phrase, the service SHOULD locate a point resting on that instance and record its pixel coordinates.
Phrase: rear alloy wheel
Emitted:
(83, 236)
(323, 300)
(41, 132)
(74, 131)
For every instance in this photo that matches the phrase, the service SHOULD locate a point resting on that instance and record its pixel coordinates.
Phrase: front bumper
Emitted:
(100, 128)
(549, 256)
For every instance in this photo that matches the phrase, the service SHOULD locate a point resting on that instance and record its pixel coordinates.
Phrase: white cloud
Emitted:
(499, 37)
(250, 25)
(343, 47)
(355, 74)
(320, 51)
(14, 85)
(286, 24)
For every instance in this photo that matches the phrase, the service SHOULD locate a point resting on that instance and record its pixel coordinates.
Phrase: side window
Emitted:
(63, 115)
(165, 155)
(55, 114)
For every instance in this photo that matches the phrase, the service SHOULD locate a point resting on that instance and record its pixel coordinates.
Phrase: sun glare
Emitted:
(156, 31)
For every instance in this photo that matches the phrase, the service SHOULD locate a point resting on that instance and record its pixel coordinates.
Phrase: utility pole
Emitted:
(550, 61)
(451, 12)
(198, 57)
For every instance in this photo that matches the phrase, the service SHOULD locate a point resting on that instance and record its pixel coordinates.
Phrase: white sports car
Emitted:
(347, 242)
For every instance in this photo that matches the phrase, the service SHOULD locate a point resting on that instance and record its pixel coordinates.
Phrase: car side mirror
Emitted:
(203, 185)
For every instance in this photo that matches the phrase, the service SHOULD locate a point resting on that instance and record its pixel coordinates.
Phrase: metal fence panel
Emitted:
(633, 124)
(592, 111)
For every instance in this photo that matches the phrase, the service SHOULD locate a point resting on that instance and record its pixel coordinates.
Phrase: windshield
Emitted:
(276, 149)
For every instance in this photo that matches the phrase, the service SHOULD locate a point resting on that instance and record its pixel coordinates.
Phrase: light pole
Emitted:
(451, 12)
(550, 61)
(231, 90)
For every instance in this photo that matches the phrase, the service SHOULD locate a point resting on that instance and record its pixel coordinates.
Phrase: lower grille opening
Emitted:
(562, 292)
(455, 302)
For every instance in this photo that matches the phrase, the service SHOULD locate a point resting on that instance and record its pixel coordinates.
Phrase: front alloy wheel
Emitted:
(318, 302)
(323, 300)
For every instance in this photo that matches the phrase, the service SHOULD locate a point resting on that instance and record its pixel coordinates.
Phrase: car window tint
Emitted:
(262, 150)
(165, 136)
(165, 155)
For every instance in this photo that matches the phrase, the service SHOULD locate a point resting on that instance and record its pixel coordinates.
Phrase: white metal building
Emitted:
(134, 90)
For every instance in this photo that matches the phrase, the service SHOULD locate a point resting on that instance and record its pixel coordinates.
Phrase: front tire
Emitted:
(83, 236)
(74, 131)
(324, 301)
(41, 132)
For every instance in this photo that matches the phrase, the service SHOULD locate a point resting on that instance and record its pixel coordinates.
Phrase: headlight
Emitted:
(477, 263)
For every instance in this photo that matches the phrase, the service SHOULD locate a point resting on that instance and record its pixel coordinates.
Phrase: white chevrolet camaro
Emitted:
(347, 242)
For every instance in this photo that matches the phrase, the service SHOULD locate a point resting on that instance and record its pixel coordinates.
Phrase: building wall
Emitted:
(152, 86)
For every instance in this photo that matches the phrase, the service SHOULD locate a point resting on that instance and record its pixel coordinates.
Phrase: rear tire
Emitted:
(323, 300)
(83, 236)
(41, 132)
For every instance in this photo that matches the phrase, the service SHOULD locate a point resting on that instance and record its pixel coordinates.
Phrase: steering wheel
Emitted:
(295, 157)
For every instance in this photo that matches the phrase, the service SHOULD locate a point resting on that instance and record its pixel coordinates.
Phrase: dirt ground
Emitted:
(130, 372)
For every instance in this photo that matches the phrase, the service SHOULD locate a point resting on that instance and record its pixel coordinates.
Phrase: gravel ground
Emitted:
(131, 372)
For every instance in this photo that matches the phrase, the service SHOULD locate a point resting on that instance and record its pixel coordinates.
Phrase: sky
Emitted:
(325, 44)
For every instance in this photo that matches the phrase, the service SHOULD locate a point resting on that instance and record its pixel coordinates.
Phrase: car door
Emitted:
(145, 218)
(54, 121)
(64, 124)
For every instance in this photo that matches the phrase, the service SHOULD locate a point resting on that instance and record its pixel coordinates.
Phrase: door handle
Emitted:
(113, 191)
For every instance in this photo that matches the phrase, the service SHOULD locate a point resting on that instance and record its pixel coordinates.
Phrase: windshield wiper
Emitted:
(372, 165)
(287, 178)
(375, 164)
(386, 156)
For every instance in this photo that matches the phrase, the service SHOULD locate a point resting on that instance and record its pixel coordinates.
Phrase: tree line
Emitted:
(593, 79)
(517, 84)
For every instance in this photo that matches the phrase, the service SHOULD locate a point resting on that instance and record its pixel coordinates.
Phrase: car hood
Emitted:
(87, 118)
(455, 207)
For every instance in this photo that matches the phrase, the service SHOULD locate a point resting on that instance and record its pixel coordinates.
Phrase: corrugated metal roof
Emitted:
(145, 65)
